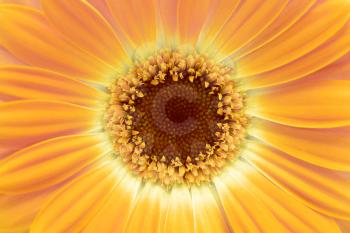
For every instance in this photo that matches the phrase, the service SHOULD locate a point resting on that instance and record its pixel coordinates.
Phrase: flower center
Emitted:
(176, 118)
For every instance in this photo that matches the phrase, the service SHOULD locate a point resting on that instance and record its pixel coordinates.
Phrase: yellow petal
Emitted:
(328, 148)
(86, 27)
(179, 217)
(44, 47)
(250, 19)
(244, 212)
(24, 82)
(18, 211)
(149, 213)
(25, 122)
(311, 104)
(191, 17)
(136, 19)
(290, 15)
(6, 58)
(320, 24)
(207, 214)
(49, 162)
(319, 188)
(114, 214)
(288, 211)
(329, 52)
(79, 201)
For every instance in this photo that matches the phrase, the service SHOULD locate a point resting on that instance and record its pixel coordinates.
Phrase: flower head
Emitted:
(174, 116)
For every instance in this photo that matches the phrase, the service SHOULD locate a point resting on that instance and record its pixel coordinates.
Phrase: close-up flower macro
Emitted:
(174, 116)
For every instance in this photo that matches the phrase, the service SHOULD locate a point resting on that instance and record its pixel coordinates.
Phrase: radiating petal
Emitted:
(114, 214)
(206, 211)
(344, 226)
(328, 148)
(24, 82)
(168, 25)
(18, 211)
(25, 122)
(44, 47)
(287, 210)
(220, 12)
(86, 27)
(191, 17)
(179, 217)
(245, 213)
(319, 188)
(149, 213)
(136, 18)
(329, 52)
(79, 201)
(303, 37)
(250, 19)
(311, 104)
(290, 15)
(32, 3)
(6, 58)
(50, 162)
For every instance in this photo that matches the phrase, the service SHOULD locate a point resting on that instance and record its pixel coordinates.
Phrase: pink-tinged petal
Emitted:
(319, 188)
(25, 122)
(86, 28)
(323, 56)
(246, 23)
(303, 37)
(46, 47)
(328, 148)
(136, 19)
(308, 104)
(79, 201)
(50, 162)
(25, 82)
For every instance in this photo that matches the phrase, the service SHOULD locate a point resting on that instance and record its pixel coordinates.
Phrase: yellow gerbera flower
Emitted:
(174, 116)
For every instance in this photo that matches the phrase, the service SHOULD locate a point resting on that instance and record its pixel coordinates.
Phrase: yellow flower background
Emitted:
(291, 59)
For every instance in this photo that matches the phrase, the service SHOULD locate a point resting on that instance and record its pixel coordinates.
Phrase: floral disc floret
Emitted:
(176, 118)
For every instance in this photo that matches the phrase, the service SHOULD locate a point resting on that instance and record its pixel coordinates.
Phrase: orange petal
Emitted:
(191, 17)
(290, 15)
(6, 58)
(45, 47)
(329, 52)
(114, 214)
(311, 31)
(206, 211)
(49, 162)
(344, 226)
(220, 12)
(32, 3)
(250, 19)
(168, 11)
(79, 201)
(24, 82)
(136, 19)
(17, 212)
(149, 213)
(316, 187)
(179, 217)
(311, 145)
(318, 104)
(25, 122)
(291, 213)
(86, 27)
(243, 211)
